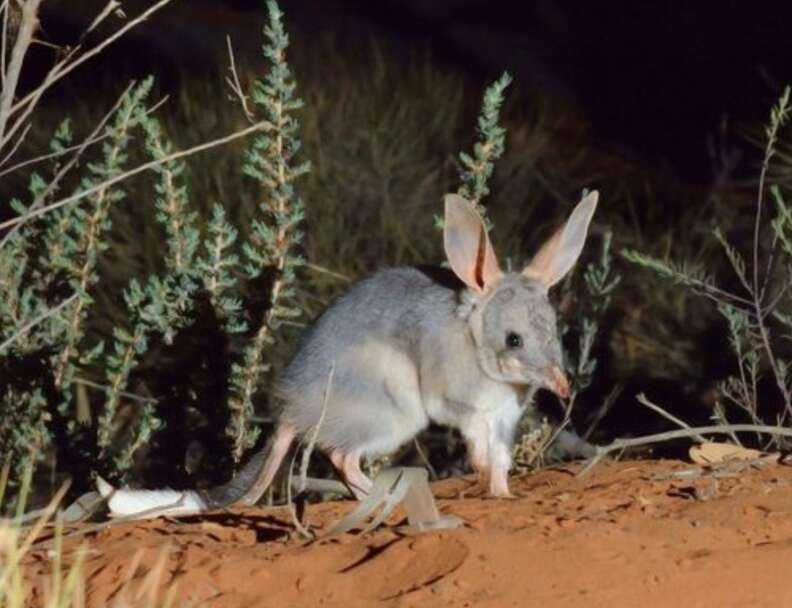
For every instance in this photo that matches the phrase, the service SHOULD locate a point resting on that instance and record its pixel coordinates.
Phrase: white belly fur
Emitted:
(494, 400)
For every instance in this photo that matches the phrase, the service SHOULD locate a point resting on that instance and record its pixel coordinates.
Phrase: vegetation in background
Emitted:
(757, 311)
(52, 272)
(476, 169)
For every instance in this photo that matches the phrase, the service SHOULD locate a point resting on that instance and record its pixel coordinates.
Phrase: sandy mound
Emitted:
(627, 534)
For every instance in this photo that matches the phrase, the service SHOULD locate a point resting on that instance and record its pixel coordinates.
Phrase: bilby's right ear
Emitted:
(558, 255)
(467, 245)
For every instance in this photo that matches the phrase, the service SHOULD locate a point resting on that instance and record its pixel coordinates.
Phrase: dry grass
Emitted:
(64, 584)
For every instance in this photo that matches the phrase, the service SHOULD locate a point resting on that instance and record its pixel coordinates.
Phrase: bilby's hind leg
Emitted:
(348, 466)
(280, 447)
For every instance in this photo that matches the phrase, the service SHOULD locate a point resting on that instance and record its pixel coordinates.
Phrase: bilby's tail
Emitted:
(245, 488)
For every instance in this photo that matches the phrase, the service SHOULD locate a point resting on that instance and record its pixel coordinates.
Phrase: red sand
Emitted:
(627, 534)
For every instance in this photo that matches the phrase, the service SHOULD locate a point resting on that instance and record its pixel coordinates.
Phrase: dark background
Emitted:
(651, 79)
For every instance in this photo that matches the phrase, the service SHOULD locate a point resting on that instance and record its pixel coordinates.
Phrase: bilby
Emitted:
(407, 346)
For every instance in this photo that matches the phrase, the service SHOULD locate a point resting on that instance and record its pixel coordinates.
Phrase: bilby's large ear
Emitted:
(467, 245)
(559, 254)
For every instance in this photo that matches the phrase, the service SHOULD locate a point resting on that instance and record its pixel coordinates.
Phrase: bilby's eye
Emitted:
(514, 340)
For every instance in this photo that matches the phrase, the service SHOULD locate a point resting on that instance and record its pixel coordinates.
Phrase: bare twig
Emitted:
(139, 169)
(603, 409)
(4, 9)
(778, 117)
(44, 157)
(667, 415)
(24, 37)
(302, 530)
(64, 67)
(776, 120)
(104, 388)
(55, 181)
(235, 84)
(110, 7)
(713, 292)
(564, 423)
(93, 138)
(306, 457)
(696, 431)
(425, 459)
(327, 271)
(556, 432)
(770, 307)
(15, 147)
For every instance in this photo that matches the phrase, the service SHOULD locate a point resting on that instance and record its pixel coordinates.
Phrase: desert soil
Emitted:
(650, 533)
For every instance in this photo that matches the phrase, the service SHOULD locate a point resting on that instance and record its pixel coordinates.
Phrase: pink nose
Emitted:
(559, 382)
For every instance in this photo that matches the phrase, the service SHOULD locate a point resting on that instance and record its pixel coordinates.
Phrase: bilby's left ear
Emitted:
(467, 245)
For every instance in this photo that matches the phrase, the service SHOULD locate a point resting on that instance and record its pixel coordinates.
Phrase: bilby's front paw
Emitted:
(499, 483)
(507, 495)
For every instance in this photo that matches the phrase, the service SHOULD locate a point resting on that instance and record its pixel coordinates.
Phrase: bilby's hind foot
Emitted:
(348, 466)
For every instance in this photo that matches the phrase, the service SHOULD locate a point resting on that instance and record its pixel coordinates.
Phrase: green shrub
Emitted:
(755, 308)
(53, 273)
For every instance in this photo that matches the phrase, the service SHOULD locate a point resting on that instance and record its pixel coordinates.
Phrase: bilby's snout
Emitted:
(558, 382)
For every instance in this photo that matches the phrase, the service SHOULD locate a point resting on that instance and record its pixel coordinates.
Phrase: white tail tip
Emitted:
(147, 504)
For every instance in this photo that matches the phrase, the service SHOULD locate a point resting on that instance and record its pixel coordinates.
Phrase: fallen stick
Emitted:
(723, 429)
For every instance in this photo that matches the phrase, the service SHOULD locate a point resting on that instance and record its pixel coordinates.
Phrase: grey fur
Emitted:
(230, 492)
(410, 315)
